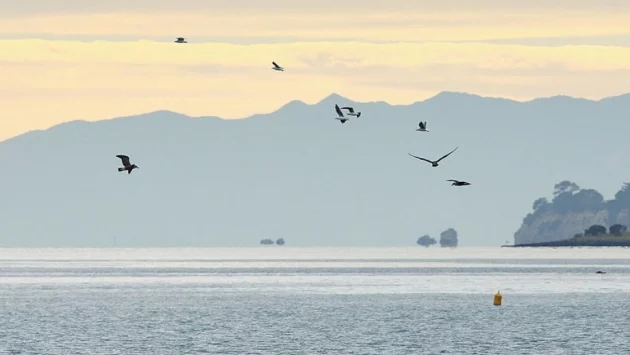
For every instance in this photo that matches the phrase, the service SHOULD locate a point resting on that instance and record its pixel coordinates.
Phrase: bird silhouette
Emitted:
(459, 183)
(126, 164)
(341, 117)
(422, 127)
(180, 40)
(277, 67)
(434, 163)
(351, 111)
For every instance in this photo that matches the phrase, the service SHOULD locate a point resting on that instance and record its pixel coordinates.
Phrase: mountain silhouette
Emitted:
(298, 174)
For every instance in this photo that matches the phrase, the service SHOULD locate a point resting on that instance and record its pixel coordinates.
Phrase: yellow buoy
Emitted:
(497, 299)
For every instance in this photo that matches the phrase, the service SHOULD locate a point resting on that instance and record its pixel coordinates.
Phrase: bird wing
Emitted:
(339, 112)
(437, 161)
(348, 108)
(275, 64)
(427, 160)
(125, 159)
(452, 180)
(421, 124)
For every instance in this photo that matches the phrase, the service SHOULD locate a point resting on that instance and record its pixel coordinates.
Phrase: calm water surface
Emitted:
(281, 300)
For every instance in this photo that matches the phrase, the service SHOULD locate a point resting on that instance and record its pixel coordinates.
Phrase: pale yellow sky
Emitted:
(61, 61)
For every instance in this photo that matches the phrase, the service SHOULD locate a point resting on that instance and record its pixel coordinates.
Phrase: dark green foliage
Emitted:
(280, 241)
(569, 197)
(577, 201)
(595, 230)
(623, 194)
(617, 229)
(621, 201)
(448, 238)
(565, 186)
(541, 202)
(266, 242)
(587, 200)
(426, 241)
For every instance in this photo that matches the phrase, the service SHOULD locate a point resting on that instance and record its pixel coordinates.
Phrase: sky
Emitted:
(69, 60)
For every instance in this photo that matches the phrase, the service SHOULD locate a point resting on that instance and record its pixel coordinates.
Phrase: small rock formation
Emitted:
(280, 241)
(426, 241)
(266, 242)
(448, 238)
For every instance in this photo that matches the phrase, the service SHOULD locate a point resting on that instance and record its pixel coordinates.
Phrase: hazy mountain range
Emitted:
(300, 175)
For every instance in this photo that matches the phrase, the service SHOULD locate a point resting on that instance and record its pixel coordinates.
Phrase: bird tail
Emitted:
(121, 169)
(358, 114)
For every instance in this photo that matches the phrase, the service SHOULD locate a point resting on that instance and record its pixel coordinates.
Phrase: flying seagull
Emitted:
(351, 112)
(459, 183)
(423, 127)
(341, 117)
(180, 40)
(277, 67)
(434, 163)
(126, 164)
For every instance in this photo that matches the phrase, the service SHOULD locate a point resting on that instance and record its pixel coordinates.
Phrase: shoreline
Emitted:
(574, 243)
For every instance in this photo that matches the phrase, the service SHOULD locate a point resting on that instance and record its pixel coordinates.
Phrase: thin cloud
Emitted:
(383, 26)
(256, 6)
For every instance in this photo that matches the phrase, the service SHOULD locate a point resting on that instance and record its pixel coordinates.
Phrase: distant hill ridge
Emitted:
(444, 96)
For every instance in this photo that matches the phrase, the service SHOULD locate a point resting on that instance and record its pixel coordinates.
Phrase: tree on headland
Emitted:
(280, 241)
(448, 238)
(565, 186)
(540, 203)
(426, 241)
(569, 197)
(617, 229)
(595, 230)
(624, 193)
(266, 242)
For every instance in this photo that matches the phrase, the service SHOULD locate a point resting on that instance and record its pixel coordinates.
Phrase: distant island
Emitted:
(595, 236)
(448, 238)
(565, 220)
(279, 241)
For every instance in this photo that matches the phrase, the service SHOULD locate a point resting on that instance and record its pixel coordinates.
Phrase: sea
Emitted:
(290, 300)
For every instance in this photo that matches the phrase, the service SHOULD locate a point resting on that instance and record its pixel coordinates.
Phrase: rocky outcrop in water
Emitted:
(448, 238)
(426, 241)
(571, 211)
